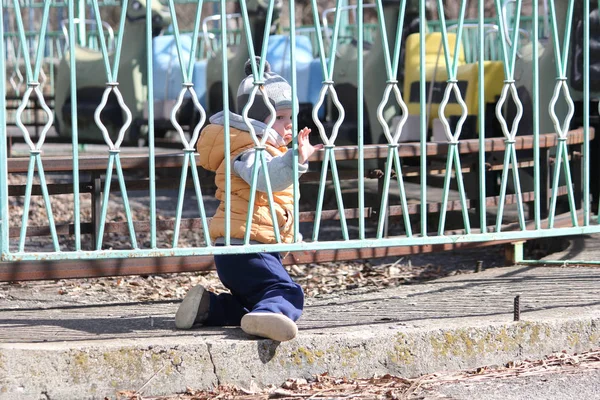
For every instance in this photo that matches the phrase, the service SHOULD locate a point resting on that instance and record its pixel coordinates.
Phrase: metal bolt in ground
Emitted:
(479, 266)
(517, 308)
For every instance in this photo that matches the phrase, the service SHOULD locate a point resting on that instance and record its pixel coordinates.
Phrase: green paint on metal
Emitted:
(74, 129)
(393, 139)
(453, 159)
(481, 103)
(360, 93)
(393, 157)
(295, 106)
(115, 161)
(80, 11)
(561, 60)
(151, 142)
(586, 112)
(226, 130)
(510, 155)
(260, 160)
(536, 119)
(423, 114)
(4, 241)
(329, 141)
(33, 88)
(188, 149)
(305, 246)
(35, 160)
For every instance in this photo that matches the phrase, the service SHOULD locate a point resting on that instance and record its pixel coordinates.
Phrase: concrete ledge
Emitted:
(88, 370)
(53, 349)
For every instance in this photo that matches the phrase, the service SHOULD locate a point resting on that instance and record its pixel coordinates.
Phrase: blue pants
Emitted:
(258, 282)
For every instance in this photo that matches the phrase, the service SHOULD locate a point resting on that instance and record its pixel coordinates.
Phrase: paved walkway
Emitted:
(580, 248)
(77, 351)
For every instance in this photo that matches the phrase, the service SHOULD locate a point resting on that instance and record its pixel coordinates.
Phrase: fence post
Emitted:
(513, 253)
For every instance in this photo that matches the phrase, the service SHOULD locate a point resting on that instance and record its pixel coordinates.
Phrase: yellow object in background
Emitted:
(433, 47)
(436, 73)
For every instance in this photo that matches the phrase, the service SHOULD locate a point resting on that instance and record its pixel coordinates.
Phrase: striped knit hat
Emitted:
(278, 90)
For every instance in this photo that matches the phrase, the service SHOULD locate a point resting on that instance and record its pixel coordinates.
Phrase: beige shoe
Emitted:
(193, 309)
(269, 325)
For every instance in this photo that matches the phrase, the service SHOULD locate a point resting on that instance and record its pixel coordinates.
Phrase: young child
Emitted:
(264, 300)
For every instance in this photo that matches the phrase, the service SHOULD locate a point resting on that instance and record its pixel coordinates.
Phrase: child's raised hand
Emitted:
(305, 149)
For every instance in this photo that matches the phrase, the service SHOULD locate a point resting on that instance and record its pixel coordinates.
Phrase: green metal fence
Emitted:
(523, 112)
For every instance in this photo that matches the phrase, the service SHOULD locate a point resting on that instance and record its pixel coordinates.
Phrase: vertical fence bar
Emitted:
(3, 144)
(481, 77)
(319, 37)
(22, 39)
(586, 112)
(80, 11)
(125, 198)
(200, 199)
(294, 84)
(23, 234)
(53, 50)
(41, 42)
(361, 116)
(253, 183)
(106, 193)
(225, 80)
(117, 53)
(151, 149)
(74, 128)
(424, 116)
(30, 19)
(536, 119)
(596, 200)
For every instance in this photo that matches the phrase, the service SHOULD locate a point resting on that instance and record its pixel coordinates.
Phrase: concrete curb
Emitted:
(99, 369)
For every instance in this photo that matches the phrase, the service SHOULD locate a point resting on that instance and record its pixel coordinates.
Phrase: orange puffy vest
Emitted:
(211, 147)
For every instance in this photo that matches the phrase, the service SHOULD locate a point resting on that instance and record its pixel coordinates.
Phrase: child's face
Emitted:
(283, 124)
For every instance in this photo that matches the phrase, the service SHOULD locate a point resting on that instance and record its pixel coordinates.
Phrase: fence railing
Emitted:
(445, 127)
